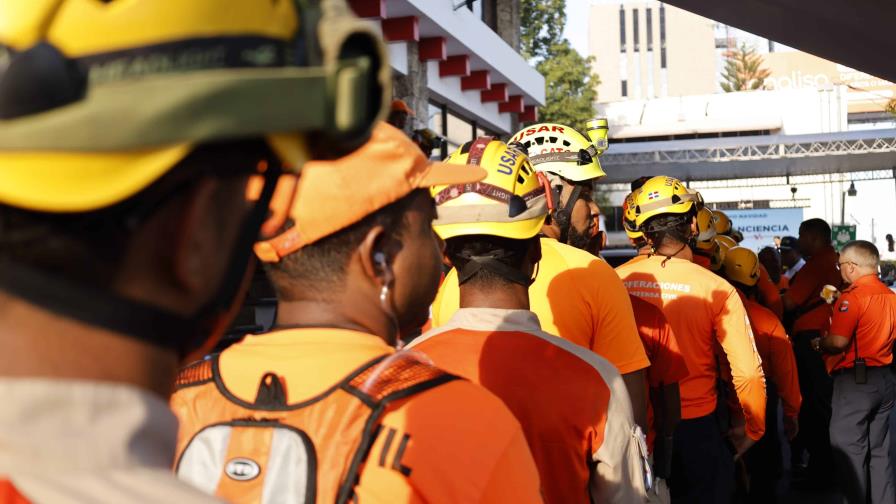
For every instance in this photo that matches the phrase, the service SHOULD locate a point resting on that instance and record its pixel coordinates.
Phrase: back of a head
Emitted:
(383, 186)
(665, 209)
(503, 255)
(863, 253)
(491, 228)
(769, 255)
(818, 230)
(771, 259)
(87, 166)
(318, 270)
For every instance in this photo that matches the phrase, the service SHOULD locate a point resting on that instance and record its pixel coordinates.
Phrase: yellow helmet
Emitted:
(510, 202)
(706, 230)
(562, 150)
(725, 241)
(723, 222)
(99, 101)
(628, 216)
(742, 266)
(664, 195)
(716, 255)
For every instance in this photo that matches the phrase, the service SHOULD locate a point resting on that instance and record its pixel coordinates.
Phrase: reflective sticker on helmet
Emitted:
(540, 129)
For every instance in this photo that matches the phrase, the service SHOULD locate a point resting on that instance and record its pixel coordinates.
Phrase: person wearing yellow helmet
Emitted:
(741, 269)
(667, 367)
(725, 241)
(717, 257)
(351, 281)
(724, 226)
(705, 313)
(628, 221)
(130, 130)
(570, 161)
(491, 233)
(635, 236)
(704, 247)
(722, 223)
(576, 295)
(768, 293)
(721, 244)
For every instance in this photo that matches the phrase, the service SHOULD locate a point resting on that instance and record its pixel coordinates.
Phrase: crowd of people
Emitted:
(445, 331)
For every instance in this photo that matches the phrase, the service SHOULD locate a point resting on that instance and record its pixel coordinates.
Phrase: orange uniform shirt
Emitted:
(633, 260)
(463, 444)
(572, 404)
(805, 288)
(776, 350)
(702, 260)
(704, 310)
(576, 296)
(667, 366)
(769, 294)
(866, 314)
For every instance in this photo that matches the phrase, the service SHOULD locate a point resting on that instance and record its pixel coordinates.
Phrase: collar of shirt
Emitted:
(48, 425)
(495, 319)
(293, 340)
(309, 360)
(866, 280)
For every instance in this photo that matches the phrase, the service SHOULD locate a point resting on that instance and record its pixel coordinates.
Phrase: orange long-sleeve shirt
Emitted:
(776, 351)
(704, 310)
(806, 285)
(769, 293)
(667, 366)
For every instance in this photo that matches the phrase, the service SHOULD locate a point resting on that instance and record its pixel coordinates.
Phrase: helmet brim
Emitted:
(519, 230)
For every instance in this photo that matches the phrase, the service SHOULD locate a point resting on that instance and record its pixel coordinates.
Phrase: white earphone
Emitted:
(380, 259)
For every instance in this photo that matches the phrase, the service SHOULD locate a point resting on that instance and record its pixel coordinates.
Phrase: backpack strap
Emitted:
(197, 373)
(398, 376)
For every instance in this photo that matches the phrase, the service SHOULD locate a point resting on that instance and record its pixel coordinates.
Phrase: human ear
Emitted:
(375, 256)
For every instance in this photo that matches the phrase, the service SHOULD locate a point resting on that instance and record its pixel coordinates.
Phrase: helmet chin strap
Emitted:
(661, 236)
(562, 216)
(492, 263)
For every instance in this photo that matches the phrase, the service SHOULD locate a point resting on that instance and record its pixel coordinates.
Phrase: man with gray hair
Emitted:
(858, 352)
